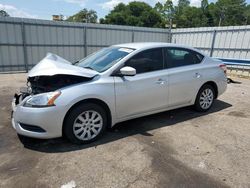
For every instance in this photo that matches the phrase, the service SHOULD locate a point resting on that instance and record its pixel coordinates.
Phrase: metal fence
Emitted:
(24, 42)
(230, 44)
(223, 42)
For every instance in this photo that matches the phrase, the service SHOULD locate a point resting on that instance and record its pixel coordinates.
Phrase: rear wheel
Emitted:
(205, 98)
(85, 123)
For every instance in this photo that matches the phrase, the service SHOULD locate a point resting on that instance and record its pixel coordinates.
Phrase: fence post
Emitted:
(170, 35)
(85, 41)
(133, 36)
(25, 56)
(212, 45)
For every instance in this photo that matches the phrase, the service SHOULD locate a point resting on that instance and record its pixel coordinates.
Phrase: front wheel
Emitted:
(85, 123)
(205, 98)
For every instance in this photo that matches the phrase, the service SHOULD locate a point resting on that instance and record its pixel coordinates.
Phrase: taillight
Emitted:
(224, 68)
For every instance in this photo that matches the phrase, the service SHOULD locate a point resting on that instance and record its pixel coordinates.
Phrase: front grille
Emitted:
(32, 128)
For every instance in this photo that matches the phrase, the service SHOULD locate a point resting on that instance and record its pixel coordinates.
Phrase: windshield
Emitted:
(104, 59)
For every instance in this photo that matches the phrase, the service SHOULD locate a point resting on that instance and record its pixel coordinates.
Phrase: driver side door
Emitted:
(147, 91)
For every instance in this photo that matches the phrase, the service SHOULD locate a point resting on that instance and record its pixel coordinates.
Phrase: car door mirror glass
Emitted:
(127, 71)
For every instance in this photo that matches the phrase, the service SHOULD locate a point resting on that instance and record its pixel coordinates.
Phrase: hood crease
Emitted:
(53, 64)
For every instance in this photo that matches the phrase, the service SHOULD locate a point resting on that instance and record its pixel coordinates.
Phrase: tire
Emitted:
(85, 123)
(205, 98)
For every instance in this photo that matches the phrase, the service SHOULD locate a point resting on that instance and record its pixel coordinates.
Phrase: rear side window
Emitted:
(147, 61)
(177, 57)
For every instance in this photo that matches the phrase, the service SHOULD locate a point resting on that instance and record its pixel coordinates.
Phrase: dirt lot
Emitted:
(179, 148)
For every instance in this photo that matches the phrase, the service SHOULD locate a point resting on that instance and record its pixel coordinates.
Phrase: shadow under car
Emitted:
(121, 130)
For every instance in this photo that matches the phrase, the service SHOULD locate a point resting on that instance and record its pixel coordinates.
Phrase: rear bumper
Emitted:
(50, 119)
(222, 86)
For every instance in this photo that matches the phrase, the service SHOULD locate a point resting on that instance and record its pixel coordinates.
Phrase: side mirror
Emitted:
(128, 71)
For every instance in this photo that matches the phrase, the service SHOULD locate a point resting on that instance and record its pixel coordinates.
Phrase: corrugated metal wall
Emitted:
(24, 42)
(223, 42)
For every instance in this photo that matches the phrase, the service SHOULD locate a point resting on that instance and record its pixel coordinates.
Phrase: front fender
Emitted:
(102, 89)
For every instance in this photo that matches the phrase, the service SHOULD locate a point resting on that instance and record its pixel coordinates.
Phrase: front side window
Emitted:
(147, 61)
(177, 57)
(104, 59)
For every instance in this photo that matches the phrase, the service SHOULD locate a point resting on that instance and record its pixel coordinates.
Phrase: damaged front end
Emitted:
(43, 84)
(53, 73)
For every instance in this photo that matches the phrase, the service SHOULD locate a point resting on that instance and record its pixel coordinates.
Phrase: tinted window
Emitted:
(176, 57)
(146, 61)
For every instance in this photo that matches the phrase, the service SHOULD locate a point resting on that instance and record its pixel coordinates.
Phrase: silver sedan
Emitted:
(80, 100)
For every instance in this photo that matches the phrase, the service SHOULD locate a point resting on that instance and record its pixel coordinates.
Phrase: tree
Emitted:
(151, 19)
(204, 5)
(229, 12)
(205, 10)
(191, 17)
(85, 15)
(222, 13)
(166, 10)
(3, 13)
(137, 9)
(120, 7)
(135, 14)
(183, 3)
(116, 18)
(247, 15)
(181, 18)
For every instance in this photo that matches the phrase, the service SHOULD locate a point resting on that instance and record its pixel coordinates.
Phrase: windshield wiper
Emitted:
(88, 68)
(74, 63)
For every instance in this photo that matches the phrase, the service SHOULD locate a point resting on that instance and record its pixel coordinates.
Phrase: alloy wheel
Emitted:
(206, 98)
(87, 125)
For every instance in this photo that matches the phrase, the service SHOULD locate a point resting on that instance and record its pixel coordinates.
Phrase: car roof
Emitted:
(148, 45)
(141, 45)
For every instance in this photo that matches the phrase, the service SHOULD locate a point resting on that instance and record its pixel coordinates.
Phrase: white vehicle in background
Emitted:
(115, 84)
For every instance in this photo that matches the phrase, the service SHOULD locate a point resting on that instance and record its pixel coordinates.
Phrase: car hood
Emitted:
(53, 64)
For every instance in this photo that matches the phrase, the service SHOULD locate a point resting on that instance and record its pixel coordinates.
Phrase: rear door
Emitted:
(147, 90)
(184, 67)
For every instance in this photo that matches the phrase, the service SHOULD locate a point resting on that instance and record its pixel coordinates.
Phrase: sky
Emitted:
(44, 9)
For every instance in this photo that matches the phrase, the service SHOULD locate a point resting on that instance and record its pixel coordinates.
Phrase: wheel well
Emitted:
(95, 101)
(214, 85)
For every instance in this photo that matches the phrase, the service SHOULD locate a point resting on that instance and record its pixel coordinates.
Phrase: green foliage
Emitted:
(166, 10)
(204, 5)
(183, 4)
(3, 13)
(84, 15)
(191, 17)
(230, 12)
(247, 15)
(134, 14)
(221, 13)
(165, 14)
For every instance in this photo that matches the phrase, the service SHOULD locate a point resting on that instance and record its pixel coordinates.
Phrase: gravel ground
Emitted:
(178, 148)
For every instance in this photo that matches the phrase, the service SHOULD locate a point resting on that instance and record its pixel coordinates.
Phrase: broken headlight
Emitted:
(42, 100)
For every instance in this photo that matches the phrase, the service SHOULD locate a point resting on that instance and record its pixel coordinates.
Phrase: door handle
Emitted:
(197, 75)
(161, 81)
